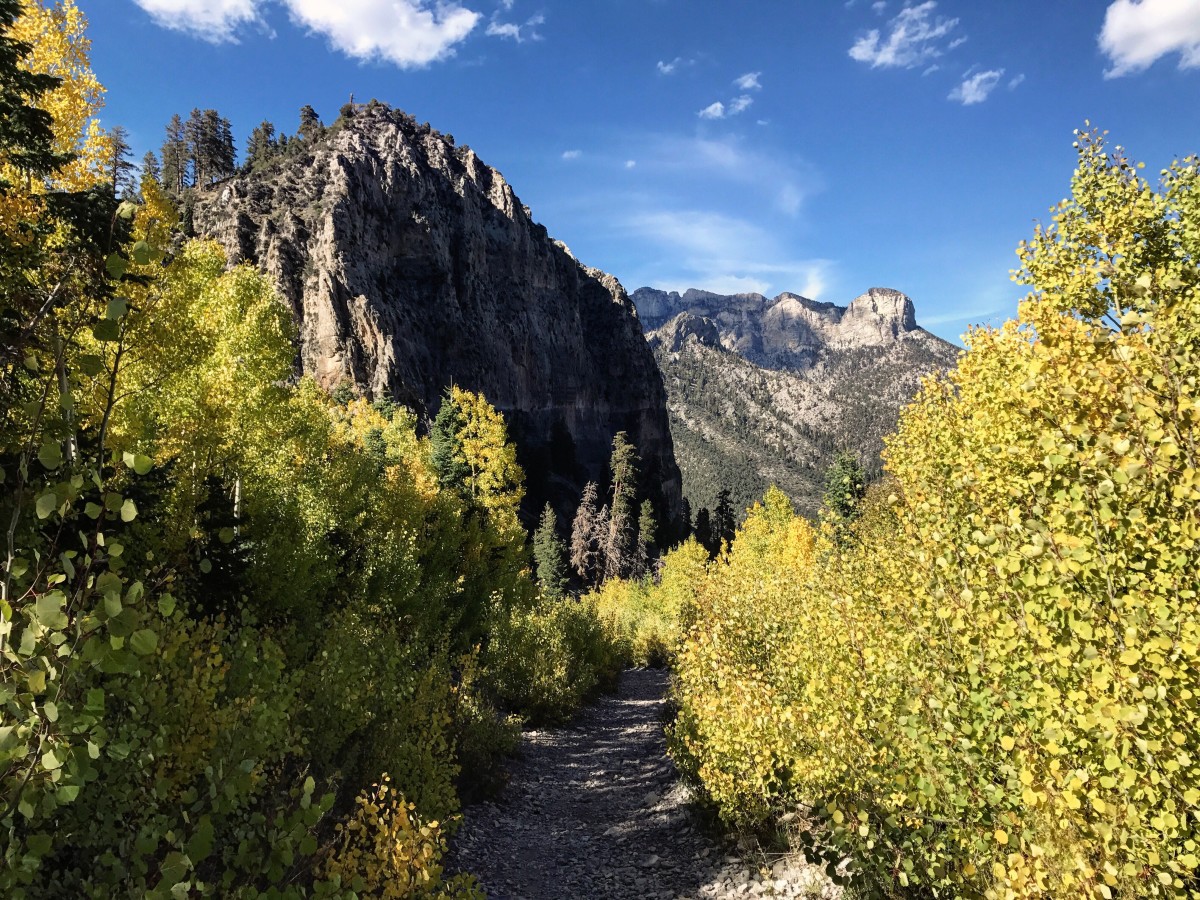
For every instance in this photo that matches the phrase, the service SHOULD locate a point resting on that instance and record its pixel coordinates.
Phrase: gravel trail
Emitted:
(596, 811)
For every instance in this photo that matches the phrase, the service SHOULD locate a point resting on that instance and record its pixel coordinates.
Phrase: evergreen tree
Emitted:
(120, 169)
(310, 128)
(175, 166)
(845, 487)
(704, 532)
(151, 168)
(550, 556)
(647, 540)
(584, 546)
(446, 446)
(262, 145)
(685, 521)
(622, 527)
(724, 522)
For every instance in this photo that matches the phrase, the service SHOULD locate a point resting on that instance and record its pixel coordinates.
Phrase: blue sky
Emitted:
(820, 147)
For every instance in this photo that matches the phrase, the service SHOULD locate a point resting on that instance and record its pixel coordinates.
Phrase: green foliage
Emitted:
(990, 691)
(550, 556)
(548, 660)
(845, 487)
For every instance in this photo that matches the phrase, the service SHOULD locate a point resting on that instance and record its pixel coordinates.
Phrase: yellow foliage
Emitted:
(384, 851)
(989, 689)
(495, 480)
(57, 33)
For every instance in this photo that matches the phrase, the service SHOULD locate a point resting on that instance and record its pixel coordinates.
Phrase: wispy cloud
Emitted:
(514, 32)
(724, 254)
(714, 110)
(1137, 33)
(1016, 81)
(914, 37)
(631, 163)
(670, 68)
(748, 82)
(976, 88)
(572, 154)
(740, 104)
(408, 33)
(880, 6)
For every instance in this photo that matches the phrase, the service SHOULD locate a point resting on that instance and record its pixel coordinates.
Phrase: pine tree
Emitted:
(584, 555)
(120, 169)
(151, 168)
(622, 529)
(550, 556)
(724, 523)
(175, 160)
(704, 532)
(647, 540)
(446, 447)
(262, 145)
(310, 124)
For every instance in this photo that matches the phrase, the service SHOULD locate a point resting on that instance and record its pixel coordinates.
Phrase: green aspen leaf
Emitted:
(31, 363)
(49, 610)
(205, 566)
(50, 761)
(117, 307)
(93, 510)
(142, 464)
(50, 455)
(142, 253)
(106, 330)
(39, 845)
(226, 535)
(37, 680)
(143, 642)
(166, 604)
(128, 511)
(173, 868)
(90, 364)
(127, 210)
(112, 604)
(67, 793)
(117, 266)
(46, 504)
(51, 711)
(200, 847)
(19, 567)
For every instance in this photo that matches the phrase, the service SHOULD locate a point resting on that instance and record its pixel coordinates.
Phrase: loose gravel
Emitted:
(596, 810)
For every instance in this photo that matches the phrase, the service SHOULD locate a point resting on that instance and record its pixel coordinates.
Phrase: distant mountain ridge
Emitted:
(765, 390)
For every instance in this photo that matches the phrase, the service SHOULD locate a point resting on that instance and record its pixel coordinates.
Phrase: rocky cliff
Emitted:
(410, 265)
(765, 391)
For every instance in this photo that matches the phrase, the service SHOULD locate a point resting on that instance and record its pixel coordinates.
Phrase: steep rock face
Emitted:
(786, 384)
(410, 265)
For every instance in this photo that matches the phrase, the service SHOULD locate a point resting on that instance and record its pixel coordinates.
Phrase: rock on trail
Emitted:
(596, 810)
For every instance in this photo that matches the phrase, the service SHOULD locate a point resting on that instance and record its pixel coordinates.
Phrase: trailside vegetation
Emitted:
(983, 683)
(255, 640)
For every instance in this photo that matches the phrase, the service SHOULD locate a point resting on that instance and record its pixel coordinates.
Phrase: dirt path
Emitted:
(596, 811)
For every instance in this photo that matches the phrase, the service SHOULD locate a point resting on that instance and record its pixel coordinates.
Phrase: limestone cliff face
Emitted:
(765, 391)
(410, 265)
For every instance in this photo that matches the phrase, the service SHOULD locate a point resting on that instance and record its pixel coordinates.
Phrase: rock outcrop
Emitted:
(411, 265)
(765, 391)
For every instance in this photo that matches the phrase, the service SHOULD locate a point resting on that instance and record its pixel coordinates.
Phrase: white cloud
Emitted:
(713, 111)
(740, 104)
(725, 254)
(1015, 81)
(748, 82)
(408, 33)
(669, 68)
(213, 20)
(1136, 33)
(879, 6)
(630, 163)
(975, 88)
(518, 33)
(572, 154)
(915, 36)
(507, 4)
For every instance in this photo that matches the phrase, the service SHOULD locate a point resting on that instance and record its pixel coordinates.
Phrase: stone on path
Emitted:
(596, 811)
